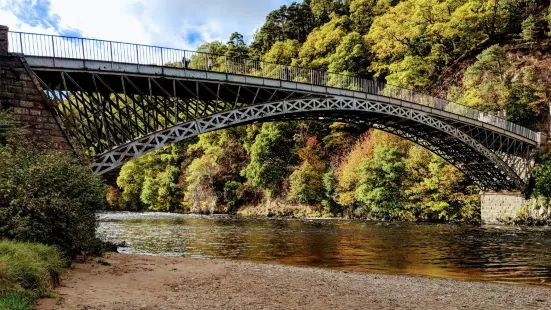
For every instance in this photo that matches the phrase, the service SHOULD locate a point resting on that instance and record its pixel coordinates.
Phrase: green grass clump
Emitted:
(27, 271)
(16, 301)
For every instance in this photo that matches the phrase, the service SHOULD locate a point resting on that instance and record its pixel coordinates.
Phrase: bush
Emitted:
(27, 271)
(46, 198)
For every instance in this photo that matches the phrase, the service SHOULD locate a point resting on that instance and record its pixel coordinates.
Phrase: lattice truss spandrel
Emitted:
(115, 118)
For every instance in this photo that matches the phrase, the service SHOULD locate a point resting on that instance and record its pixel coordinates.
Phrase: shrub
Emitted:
(52, 202)
(47, 198)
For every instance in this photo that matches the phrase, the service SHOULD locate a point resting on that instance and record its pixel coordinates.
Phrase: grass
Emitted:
(16, 301)
(27, 272)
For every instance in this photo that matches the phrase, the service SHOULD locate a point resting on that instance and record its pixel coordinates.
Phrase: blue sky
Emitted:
(171, 23)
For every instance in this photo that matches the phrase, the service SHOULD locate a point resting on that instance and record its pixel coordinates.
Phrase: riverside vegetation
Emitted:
(487, 54)
(48, 206)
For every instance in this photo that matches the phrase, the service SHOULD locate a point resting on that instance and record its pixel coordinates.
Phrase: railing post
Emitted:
(111, 52)
(53, 47)
(137, 54)
(4, 42)
(186, 63)
(83, 53)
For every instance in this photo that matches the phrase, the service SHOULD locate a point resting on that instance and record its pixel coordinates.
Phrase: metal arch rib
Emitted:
(116, 157)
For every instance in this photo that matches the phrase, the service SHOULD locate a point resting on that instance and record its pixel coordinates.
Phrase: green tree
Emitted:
(322, 42)
(520, 105)
(362, 13)
(236, 46)
(294, 22)
(348, 171)
(150, 182)
(532, 28)
(380, 189)
(212, 176)
(271, 154)
(486, 81)
(542, 175)
(340, 140)
(351, 56)
(548, 17)
(283, 52)
(330, 193)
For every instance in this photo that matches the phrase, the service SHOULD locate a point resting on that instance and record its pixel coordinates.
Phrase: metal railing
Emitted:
(118, 52)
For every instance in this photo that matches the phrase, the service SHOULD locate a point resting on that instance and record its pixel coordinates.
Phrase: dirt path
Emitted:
(146, 282)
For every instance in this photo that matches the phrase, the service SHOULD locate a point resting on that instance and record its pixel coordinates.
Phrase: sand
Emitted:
(149, 282)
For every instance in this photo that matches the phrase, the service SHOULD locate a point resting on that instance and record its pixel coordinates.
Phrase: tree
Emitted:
(341, 138)
(150, 182)
(216, 50)
(236, 46)
(306, 183)
(283, 52)
(330, 184)
(413, 71)
(213, 174)
(520, 105)
(531, 30)
(348, 171)
(270, 156)
(322, 9)
(380, 188)
(287, 23)
(548, 17)
(130, 180)
(542, 174)
(362, 13)
(486, 82)
(322, 42)
(351, 56)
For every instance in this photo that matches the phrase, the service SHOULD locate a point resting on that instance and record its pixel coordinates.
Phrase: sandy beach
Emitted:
(149, 282)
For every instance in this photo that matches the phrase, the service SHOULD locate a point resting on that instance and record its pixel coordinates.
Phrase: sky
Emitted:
(169, 23)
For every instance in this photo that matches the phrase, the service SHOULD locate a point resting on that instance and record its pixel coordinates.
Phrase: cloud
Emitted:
(171, 23)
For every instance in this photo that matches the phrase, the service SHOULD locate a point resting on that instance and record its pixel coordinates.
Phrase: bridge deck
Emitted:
(449, 111)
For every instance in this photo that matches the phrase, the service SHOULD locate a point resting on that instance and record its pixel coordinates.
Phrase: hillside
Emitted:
(487, 54)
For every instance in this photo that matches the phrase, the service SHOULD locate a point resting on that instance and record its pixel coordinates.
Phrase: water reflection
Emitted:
(503, 254)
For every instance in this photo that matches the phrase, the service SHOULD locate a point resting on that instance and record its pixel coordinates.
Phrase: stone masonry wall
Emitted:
(505, 206)
(500, 206)
(19, 92)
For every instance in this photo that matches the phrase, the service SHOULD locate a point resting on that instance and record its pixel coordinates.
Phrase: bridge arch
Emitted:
(416, 126)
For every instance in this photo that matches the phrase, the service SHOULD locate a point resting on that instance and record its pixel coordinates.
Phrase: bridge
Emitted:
(117, 101)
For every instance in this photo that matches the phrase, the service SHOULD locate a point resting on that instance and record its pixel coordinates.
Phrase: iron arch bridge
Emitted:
(118, 101)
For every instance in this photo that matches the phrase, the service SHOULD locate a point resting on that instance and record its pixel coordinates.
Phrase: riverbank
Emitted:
(124, 282)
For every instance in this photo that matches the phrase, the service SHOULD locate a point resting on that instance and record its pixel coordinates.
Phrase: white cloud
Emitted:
(170, 23)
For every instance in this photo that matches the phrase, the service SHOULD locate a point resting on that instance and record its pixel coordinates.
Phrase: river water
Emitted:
(493, 253)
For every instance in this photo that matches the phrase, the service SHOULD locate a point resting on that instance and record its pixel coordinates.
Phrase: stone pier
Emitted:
(498, 207)
(502, 207)
(21, 92)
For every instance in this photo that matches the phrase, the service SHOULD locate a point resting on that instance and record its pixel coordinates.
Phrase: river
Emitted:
(491, 253)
